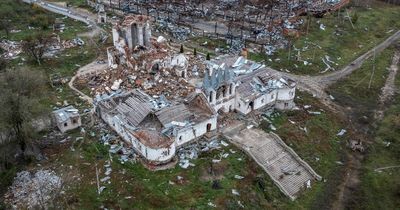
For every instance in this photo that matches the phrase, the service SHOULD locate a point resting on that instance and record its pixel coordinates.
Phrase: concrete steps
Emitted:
(275, 157)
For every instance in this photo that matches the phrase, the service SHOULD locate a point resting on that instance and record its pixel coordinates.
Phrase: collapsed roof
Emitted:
(154, 121)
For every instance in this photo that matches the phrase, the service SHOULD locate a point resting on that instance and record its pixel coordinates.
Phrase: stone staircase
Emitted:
(285, 167)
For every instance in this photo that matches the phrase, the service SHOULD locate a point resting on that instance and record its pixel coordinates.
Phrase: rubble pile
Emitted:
(66, 44)
(116, 146)
(151, 73)
(192, 151)
(256, 21)
(11, 49)
(33, 190)
(181, 33)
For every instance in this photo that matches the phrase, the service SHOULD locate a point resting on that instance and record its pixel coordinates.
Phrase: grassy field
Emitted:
(380, 190)
(339, 40)
(133, 186)
(355, 91)
(64, 65)
(22, 16)
(315, 140)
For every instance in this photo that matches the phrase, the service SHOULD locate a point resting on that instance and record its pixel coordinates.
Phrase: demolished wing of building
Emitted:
(155, 128)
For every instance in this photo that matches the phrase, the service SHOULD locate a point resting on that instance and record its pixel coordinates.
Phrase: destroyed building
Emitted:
(67, 118)
(101, 14)
(155, 128)
(236, 84)
(132, 33)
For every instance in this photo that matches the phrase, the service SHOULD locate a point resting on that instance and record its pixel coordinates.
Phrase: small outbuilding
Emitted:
(67, 118)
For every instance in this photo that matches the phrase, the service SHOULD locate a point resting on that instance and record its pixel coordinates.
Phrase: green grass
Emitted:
(355, 90)
(20, 15)
(372, 27)
(380, 190)
(319, 147)
(151, 190)
(212, 43)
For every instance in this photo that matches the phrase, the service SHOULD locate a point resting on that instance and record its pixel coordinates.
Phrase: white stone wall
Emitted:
(140, 35)
(285, 99)
(285, 94)
(115, 36)
(192, 132)
(227, 106)
(154, 155)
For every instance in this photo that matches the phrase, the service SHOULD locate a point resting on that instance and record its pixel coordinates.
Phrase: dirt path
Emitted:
(389, 89)
(353, 166)
(90, 68)
(88, 18)
(333, 77)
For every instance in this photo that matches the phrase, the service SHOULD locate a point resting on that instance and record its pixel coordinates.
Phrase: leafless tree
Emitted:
(36, 45)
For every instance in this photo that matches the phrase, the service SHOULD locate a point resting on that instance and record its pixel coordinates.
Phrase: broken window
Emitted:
(65, 124)
(74, 121)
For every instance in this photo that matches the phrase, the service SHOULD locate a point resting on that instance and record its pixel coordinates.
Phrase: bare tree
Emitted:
(36, 45)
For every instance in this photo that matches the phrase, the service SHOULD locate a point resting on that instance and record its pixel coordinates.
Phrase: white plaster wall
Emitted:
(186, 135)
(140, 35)
(285, 94)
(156, 155)
(241, 106)
(147, 35)
(110, 58)
(225, 105)
(285, 98)
(115, 36)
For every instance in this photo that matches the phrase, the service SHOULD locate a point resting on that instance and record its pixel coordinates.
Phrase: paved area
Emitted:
(282, 164)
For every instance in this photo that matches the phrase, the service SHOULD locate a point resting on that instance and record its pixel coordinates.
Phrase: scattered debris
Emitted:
(33, 190)
(235, 192)
(238, 177)
(341, 132)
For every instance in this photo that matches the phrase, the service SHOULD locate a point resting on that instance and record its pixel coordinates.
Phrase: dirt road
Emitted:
(389, 90)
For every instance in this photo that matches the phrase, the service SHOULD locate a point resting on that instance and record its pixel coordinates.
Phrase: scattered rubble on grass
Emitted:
(192, 151)
(235, 192)
(11, 49)
(341, 132)
(34, 190)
